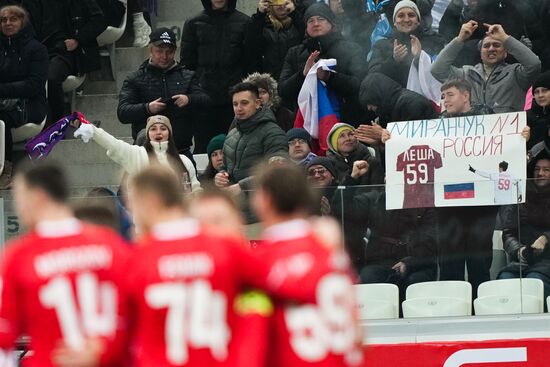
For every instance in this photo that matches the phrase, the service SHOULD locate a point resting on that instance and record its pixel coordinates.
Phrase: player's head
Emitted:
(218, 212)
(503, 166)
(456, 94)
(38, 188)
(282, 192)
(153, 192)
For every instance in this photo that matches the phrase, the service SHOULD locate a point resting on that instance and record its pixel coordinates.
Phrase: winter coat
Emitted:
(23, 73)
(394, 102)
(253, 140)
(533, 222)
(149, 83)
(134, 158)
(212, 44)
(350, 70)
(505, 89)
(268, 46)
(57, 20)
(538, 119)
(344, 165)
(382, 60)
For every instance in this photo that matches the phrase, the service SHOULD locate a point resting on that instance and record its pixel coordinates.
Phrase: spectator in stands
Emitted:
(159, 148)
(324, 41)
(456, 96)
(68, 28)
(321, 175)
(345, 149)
(269, 95)
(23, 74)
(215, 159)
(255, 138)
(162, 85)
(273, 30)
(538, 117)
(212, 44)
(401, 245)
(299, 146)
(530, 252)
(391, 102)
(393, 56)
(498, 85)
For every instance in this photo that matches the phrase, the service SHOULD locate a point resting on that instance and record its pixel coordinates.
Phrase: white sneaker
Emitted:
(141, 33)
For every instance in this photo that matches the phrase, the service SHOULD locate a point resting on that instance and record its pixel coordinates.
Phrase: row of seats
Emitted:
(451, 298)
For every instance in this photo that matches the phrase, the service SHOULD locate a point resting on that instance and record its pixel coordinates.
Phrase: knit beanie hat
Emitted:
(542, 81)
(406, 4)
(298, 133)
(215, 143)
(320, 10)
(334, 134)
(325, 162)
(159, 119)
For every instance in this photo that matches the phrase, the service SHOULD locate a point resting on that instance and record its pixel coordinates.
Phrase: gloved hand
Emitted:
(540, 244)
(85, 132)
(471, 169)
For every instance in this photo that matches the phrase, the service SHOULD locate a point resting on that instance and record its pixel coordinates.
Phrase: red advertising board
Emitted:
(495, 353)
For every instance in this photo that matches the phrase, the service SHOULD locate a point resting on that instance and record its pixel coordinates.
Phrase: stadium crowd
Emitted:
(234, 94)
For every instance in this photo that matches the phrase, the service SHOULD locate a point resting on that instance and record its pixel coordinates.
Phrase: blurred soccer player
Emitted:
(321, 330)
(59, 281)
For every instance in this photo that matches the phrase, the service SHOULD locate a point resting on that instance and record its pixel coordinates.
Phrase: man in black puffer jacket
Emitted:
(391, 102)
(162, 85)
(323, 41)
(212, 44)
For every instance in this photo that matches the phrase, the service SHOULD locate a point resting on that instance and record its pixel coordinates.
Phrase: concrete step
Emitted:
(103, 107)
(128, 59)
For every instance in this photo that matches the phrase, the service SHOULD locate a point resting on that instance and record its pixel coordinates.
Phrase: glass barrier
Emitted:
(438, 246)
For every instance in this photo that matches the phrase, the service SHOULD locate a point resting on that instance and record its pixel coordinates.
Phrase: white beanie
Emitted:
(406, 4)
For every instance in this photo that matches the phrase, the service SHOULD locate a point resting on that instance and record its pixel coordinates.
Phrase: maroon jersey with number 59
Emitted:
(60, 284)
(418, 163)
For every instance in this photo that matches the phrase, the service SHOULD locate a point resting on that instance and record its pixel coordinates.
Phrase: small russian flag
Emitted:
(459, 191)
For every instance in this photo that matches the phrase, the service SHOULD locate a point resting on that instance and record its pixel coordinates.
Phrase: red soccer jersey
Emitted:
(320, 329)
(182, 285)
(60, 284)
(419, 163)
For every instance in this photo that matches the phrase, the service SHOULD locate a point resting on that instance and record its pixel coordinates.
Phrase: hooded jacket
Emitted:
(538, 119)
(344, 165)
(253, 140)
(149, 83)
(504, 90)
(394, 103)
(24, 71)
(350, 70)
(382, 60)
(212, 44)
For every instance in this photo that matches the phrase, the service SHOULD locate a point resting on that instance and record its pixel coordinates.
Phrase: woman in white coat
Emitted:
(159, 148)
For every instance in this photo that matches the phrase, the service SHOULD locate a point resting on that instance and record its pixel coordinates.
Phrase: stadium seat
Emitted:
(30, 130)
(72, 82)
(510, 296)
(377, 301)
(438, 299)
(202, 162)
(2, 141)
(109, 37)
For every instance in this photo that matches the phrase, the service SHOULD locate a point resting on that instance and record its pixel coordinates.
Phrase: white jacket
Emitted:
(134, 158)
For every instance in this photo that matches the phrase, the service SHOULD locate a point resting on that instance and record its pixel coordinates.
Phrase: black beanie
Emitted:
(542, 81)
(320, 10)
(325, 162)
(298, 133)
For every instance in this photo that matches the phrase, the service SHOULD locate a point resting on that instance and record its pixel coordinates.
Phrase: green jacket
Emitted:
(251, 141)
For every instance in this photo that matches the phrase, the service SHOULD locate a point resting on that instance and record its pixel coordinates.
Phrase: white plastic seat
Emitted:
(510, 296)
(112, 34)
(30, 130)
(438, 299)
(2, 141)
(547, 301)
(202, 162)
(72, 82)
(377, 301)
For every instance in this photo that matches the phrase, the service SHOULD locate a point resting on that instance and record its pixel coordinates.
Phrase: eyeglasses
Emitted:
(11, 19)
(317, 171)
(297, 141)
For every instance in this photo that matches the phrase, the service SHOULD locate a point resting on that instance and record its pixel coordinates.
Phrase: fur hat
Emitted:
(406, 4)
(159, 119)
(267, 82)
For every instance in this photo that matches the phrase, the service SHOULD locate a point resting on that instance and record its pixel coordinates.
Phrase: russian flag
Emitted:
(318, 107)
(459, 191)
